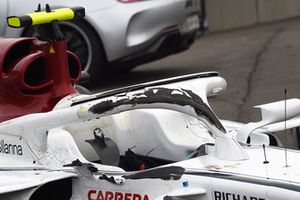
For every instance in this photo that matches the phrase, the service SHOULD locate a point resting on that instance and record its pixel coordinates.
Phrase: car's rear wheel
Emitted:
(84, 42)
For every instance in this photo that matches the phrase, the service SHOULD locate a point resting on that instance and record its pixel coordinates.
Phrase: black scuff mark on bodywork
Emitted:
(180, 97)
(164, 173)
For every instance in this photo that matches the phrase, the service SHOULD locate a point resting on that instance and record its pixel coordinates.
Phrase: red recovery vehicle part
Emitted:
(36, 74)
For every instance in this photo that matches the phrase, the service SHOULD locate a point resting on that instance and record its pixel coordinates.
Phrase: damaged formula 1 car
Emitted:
(43, 118)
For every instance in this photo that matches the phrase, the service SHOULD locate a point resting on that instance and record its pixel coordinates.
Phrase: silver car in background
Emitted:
(118, 35)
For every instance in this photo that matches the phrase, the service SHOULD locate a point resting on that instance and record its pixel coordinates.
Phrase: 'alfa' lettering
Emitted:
(231, 196)
(107, 195)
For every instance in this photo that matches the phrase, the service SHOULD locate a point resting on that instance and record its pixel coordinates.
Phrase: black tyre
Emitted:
(84, 42)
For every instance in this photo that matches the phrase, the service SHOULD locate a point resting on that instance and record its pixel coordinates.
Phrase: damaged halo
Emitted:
(157, 96)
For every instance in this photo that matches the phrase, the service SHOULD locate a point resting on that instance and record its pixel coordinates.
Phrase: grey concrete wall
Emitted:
(272, 10)
(228, 14)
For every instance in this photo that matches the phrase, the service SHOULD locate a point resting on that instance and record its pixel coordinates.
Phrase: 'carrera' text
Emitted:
(99, 195)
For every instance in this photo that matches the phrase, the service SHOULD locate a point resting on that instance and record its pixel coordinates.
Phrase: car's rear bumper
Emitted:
(166, 44)
(157, 30)
(135, 27)
(152, 21)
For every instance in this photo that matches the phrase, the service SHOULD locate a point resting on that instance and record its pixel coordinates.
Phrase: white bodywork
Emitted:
(159, 133)
(38, 149)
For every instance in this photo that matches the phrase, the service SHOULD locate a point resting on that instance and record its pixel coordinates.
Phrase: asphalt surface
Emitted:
(258, 63)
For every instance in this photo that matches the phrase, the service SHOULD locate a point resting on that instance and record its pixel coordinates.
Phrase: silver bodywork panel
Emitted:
(124, 28)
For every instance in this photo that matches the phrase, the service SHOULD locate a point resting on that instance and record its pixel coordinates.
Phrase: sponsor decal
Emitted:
(12, 149)
(185, 184)
(232, 196)
(107, 195)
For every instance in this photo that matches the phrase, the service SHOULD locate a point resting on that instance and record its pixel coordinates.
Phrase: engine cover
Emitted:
(34, 75)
